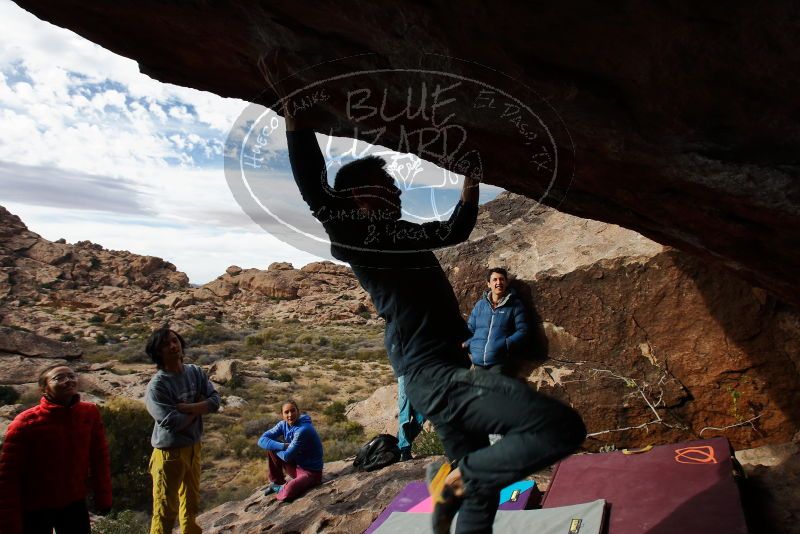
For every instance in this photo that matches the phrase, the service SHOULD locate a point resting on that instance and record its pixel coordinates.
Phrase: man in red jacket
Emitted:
(53, 455)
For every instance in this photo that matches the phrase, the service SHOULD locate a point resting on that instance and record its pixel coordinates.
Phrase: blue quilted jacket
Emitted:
(496, 333)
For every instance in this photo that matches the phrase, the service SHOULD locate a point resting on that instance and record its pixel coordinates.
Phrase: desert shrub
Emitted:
(209, 332)
(371, 355)
(334, 412)
(240, 444)
(256, 427)
(243, 447)
(262, 338)
(251, 475)
(203, 356)
(128, 427)
(259, 392)
(281, 376)
(340, 440)
(66, 338)
(96, 319)
(428, 444)
(101, 339)
(132, 354)
(8, 395)
(236, 382)
(124, 522)
(337, 449)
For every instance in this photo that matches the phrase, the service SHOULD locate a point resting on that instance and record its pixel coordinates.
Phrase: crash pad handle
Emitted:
(647, 448)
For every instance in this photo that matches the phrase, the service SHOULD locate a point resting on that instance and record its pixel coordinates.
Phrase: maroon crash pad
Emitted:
(686, 488)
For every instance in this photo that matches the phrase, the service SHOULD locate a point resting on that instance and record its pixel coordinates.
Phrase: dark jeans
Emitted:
(72, 519)
(465, 406)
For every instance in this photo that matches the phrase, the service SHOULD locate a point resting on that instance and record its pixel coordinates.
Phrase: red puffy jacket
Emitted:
(52, 456)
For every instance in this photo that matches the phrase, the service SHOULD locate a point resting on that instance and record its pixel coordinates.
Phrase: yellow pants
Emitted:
(176, 476)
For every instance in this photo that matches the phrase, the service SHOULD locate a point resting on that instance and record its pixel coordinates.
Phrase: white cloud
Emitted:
(96, 150)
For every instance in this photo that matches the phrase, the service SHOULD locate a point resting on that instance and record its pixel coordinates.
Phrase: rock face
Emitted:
(45, 286)
(680, 126)
(27, 344)
(648, 343)
(27, 260)
(378, 413)
(348, 501)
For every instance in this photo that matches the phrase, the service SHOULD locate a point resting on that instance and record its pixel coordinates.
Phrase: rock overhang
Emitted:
(679, 122)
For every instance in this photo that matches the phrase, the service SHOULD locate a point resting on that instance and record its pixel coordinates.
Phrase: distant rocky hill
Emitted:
(73, 291)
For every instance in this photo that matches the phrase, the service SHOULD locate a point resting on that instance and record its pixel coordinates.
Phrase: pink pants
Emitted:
(302, 479)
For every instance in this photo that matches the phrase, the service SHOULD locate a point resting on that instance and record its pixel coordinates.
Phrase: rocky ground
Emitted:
(348, 501)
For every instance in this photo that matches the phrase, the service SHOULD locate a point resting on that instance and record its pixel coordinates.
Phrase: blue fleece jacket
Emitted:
(305, 447)
(394, 262)
(496, 332)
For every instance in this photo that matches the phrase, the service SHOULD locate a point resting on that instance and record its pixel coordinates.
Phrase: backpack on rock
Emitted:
(379, 452)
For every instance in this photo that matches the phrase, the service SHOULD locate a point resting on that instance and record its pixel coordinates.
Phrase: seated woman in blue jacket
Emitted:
(498, 324)
(293, 448)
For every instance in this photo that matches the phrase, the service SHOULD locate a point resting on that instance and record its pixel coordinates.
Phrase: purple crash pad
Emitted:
(686, 488)
(414, 498)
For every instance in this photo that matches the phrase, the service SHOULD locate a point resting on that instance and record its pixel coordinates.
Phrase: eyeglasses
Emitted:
(63, 378)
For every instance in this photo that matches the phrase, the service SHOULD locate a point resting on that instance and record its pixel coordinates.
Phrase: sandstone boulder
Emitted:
(378, 413)
(276, 283)
(221, 288)
(232, 401)
(20, 370)
(225, 371)
(18, 342)
(177, 300)
(51, 253)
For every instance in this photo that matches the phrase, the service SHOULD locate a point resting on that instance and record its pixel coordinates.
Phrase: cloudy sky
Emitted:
(92, 149)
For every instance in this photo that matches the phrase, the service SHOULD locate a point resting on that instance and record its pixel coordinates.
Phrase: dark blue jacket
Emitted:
(394, 262)
(305, 447)
(496, 333)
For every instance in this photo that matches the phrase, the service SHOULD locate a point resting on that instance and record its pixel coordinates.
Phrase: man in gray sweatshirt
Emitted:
(177, 397)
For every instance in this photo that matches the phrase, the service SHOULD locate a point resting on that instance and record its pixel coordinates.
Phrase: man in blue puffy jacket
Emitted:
(499, 325)
(293, 447)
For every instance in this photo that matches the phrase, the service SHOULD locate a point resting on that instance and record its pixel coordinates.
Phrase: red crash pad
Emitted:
(685, 488)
